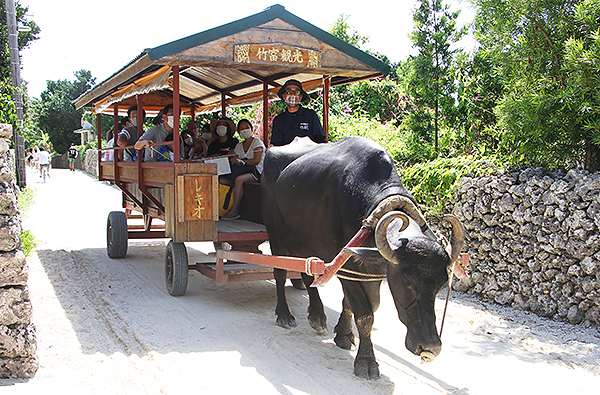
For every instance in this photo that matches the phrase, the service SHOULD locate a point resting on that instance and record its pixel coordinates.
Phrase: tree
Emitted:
(431, 81)
(7, 105)
(380, 98)
(342, 30)
(547, 111)
(56, 115)
(25, 38)
(582, 73)
(478, 93)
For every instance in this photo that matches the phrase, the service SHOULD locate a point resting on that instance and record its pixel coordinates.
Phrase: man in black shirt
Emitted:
(295, 121)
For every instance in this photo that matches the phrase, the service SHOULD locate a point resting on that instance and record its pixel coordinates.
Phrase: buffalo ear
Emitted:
(370, 256)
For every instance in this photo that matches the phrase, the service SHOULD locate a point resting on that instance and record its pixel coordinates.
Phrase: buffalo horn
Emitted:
(381, 240)
(457, 239)
(399, 202)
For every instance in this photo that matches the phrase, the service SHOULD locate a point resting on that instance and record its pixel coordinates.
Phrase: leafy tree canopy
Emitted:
(546, 56)
(342, 30)
(56, 115)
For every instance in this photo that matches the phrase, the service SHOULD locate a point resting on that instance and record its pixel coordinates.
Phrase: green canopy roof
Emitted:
(233, 61)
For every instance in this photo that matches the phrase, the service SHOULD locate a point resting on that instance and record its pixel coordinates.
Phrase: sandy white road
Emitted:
(109, 326)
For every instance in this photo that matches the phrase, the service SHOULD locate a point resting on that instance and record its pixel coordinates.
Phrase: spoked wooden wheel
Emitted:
(176, 268)
(116, 235)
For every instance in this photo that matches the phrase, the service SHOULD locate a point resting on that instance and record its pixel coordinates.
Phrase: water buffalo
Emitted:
(315, 198)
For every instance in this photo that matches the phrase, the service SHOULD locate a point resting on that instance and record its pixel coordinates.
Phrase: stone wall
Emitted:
(62, 162)
(90, 162)
(534, 241)
(17, 332)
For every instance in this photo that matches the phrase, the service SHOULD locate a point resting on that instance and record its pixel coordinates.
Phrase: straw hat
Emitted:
(230, 123)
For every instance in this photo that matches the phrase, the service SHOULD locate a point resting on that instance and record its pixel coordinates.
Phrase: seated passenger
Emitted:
(159, 133)
(129, 134)
(207, 135)
(195, 146)
(225, 142)
(108, 156)
(247, 165)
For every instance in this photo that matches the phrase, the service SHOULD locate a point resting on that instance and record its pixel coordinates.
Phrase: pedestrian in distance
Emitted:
(73, 154)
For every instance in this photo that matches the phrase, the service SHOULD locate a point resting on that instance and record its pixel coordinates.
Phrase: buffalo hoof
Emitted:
(286, 321)
(318, 323)
(366, 368)
(345, 342)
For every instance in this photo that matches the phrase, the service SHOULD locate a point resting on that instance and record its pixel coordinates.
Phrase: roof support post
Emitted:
(140, 115)
(223, 106)
(265, 114)
(176, 112)
(116, 176)
(140, 130)
(326, 85)
(99, 129)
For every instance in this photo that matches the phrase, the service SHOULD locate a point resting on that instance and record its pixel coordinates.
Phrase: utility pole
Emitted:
(15, 76)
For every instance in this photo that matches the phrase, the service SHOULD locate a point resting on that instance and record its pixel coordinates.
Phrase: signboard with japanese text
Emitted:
(277, 54)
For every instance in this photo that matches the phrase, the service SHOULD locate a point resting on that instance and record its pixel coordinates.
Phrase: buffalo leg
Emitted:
(364, 300)
(365, 365)
(344, 335)
(285, 319)
(316, 313)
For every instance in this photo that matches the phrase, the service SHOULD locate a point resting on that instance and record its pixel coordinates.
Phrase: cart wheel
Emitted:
(298, 283)
(222, 245)
(116, 235)
(176, 268)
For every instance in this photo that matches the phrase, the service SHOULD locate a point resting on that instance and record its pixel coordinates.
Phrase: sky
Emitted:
(104, 36)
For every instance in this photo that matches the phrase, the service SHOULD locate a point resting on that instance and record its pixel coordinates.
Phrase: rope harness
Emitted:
(351, 275)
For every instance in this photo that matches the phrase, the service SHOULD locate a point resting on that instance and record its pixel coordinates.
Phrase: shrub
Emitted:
(432, 183)
(24, 201)
(29, 242)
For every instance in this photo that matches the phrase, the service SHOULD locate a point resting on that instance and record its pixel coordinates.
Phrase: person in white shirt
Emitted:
(44, 160)
(247, 165)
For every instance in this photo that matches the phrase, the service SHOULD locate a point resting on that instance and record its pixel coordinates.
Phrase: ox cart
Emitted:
(238, 64)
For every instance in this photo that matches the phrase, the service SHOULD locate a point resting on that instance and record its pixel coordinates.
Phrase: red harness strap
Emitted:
(341, 258)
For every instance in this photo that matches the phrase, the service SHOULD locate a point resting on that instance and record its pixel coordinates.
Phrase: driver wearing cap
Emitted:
(295, 121)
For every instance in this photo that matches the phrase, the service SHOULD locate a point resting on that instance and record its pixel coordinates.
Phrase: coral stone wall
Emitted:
(534, 241)
(17, 332)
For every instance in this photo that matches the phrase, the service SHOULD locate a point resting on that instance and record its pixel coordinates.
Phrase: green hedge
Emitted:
(430, 180)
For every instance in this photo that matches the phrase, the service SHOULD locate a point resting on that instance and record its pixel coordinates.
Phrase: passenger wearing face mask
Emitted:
(195, 146)
(295, 121)
(158, 134)
(223, 128)
(246, 166)
(129, 134)
(207, 135)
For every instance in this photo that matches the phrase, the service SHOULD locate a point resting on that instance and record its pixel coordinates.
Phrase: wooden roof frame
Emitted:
(272, 24)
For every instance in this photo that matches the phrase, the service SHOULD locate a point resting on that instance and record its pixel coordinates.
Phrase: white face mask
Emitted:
(189, 141)
(246, 133)
(134, 121)
(221, 130)
(292, 100)
(170, 120)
